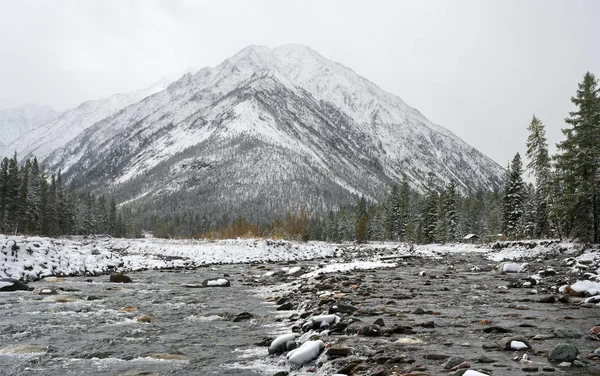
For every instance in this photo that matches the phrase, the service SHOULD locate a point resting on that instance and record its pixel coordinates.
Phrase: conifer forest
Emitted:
(562, 201)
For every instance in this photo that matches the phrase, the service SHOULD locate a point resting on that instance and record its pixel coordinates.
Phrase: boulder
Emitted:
(120, 278)
(10, 284)
(563, 352)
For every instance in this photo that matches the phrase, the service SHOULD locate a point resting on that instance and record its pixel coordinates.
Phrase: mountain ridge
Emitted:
(331, 134)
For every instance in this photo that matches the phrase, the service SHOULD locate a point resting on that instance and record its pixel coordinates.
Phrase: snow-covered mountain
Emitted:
(15, 122)
(264, 132)
(47, 136)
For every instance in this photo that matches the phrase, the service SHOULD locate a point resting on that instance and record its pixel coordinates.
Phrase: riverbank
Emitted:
(448, 310)
(33, 258)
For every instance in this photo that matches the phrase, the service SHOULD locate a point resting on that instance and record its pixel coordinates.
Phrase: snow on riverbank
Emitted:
(30, 258)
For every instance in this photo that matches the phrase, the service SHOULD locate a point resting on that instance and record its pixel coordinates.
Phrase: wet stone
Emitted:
(338, 351)
(453, 362)
(563, 352)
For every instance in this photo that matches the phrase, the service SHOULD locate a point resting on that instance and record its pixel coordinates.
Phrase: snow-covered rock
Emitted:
(279, 344)
(308, 351)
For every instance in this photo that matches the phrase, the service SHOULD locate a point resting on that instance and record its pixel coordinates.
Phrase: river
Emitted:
(87, 328)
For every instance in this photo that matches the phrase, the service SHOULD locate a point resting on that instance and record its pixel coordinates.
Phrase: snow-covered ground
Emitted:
(31, 258)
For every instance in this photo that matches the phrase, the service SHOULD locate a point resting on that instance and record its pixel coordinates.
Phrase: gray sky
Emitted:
(478, 68)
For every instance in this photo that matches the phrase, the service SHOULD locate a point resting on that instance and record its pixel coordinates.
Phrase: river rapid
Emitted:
(91, 326)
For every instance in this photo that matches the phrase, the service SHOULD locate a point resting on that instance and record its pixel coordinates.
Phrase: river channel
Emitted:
(87, 328)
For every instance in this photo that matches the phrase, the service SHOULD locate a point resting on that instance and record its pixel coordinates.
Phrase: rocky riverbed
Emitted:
(301, 309)
(457, 314)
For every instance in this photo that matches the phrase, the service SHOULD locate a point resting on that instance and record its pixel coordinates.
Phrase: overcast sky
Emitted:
(478, 68)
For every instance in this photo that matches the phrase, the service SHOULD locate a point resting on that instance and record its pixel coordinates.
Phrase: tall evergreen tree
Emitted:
(514, 199)
(13, 201)
(539, 166)
(403, 207)
(447, 227)
(578, 164)
(430, 211)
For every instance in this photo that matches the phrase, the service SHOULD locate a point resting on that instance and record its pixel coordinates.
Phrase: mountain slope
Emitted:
(15, 122)
(49, 136)
(264, 132)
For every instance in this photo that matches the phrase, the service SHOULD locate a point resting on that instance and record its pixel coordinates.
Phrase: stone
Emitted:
(565, 333)
(120, 278)
(220, 282)
(286, 307)
(342, 308)
(338, 351)
(378, 371)
(48, 291)
(595, 333)
(460, 366)
(282, 373)
(485, 359)
(495, 329)
(436, 356)
(144, 318)
(379, 322)
(506, 343)
(243, 316)
(370, 330)
(548, 299)
(453, 362)
(563, 352)
(530, 369)
(578, 363)
(10, 284)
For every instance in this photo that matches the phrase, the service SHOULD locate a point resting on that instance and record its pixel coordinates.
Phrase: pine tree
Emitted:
(361, 229)
(403, 207)
(34, 198)
(447, 227)
(430, 211)
(578, 164)
(528, 227)
(112, 218)
(22, 214)
(514, 199)
(3, 193)
(392, 214)
(13, 209)
(539, 166)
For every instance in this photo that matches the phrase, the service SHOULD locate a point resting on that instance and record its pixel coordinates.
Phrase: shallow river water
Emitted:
(457, 306)
(84, 330)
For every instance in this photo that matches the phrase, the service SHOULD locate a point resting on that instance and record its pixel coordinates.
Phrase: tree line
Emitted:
(33, 202)
(563, 202)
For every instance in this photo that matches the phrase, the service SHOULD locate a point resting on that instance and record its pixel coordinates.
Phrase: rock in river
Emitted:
(120, 278)
(10, 284)
(563, 352)
(221, 282)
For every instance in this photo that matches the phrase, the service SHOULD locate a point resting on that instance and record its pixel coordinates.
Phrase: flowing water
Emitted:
(86, 330)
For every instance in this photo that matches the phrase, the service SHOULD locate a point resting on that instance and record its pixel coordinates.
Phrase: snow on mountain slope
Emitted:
(15, 122)
(48, 136)
(282, 125)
